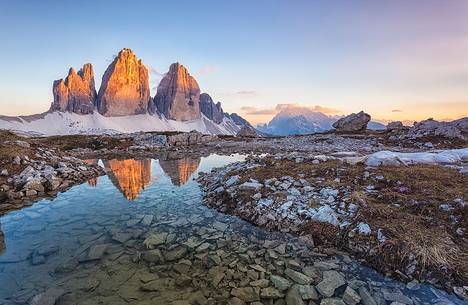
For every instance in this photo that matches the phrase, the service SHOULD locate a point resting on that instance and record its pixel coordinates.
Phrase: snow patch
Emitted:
(391, 158)
(66, 123)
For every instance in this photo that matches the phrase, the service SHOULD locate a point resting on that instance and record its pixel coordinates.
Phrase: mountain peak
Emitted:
(76, 93)
(178, 95)
(125, 86)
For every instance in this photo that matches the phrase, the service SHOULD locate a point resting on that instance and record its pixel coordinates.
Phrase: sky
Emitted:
(396, 60)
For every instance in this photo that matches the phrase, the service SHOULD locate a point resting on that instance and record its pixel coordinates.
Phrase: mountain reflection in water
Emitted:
(131, 176)
(180, 170)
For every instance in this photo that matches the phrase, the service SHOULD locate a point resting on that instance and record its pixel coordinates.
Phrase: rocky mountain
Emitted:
(76, 93)
(211, 110)
(296, 120)
(124, 104)
(125, 87)
(178, 95)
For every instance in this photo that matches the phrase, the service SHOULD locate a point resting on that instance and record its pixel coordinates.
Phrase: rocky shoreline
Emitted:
(331, 200)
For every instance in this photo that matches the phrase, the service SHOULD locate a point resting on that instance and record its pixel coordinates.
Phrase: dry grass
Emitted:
(405, 206)
(66, 143)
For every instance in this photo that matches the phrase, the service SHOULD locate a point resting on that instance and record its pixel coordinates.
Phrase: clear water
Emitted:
(48, 244)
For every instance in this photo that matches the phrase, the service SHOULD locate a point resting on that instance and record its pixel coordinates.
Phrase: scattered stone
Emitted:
(331, 281)
(49, 297)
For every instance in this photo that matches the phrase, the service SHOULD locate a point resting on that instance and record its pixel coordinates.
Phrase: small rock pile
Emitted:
(47, 173)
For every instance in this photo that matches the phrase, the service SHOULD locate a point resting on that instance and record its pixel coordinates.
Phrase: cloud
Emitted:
(290, 106)
(397, 110)
(255, 111)
(207, 70)
(153, 71)
(247, 92)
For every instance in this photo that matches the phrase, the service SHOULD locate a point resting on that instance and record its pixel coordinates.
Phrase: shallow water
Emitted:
(90, 242)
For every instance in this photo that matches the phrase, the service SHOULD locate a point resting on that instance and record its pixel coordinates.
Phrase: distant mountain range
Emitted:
(123, 103)
(295, 120)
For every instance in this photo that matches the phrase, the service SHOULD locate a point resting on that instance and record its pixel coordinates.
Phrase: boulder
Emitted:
(178, 95)
(395, 125)
(125, 87)
(353, 122)
(76, 93)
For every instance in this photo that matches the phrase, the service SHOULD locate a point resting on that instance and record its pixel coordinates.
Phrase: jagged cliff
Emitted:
(125, 87)
(178, 95)
(211, 110)
(76, 93)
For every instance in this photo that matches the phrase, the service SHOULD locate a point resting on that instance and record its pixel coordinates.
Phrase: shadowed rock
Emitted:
(125, 87)
(178, 95)
(211, 110)
(76, 93)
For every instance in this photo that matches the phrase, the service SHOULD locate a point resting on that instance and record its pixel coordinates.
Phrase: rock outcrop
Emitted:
(125, 87)
(353, 122)
(76, 93)
(395, 125)
(430, 127)
(211, 110)
(178, 95)
(247, 131)
(189, 138)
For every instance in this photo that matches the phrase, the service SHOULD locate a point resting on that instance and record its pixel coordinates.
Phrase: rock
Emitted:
(294, 297)
(397, 297)
(454, 129)
(350, 296)
(236, 301)
(251, 186)
(247, 131)
(178, 95)
(34, 184)
(270, 293)
(366, 297)
(353, 122)
(395, 125)
(308, 292)
(49, 297)
(158, 284)
(298, 277)
(176, 253)
(331, 281)
(152, 256)
(155, 240)
(246, 294)
(211, 110)
(23, 144)
(96, 252)
(76, 93)
(125, 87)
(4, 172)
(280, 282)
(332, 301)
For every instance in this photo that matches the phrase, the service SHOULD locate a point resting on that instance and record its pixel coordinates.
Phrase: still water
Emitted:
(141, 235)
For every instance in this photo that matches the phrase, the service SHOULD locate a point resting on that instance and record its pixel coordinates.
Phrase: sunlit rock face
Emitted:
(125, 87)
(178, 95)
(76, 93)
(180, 170)
(211, 110)
(129, 176)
